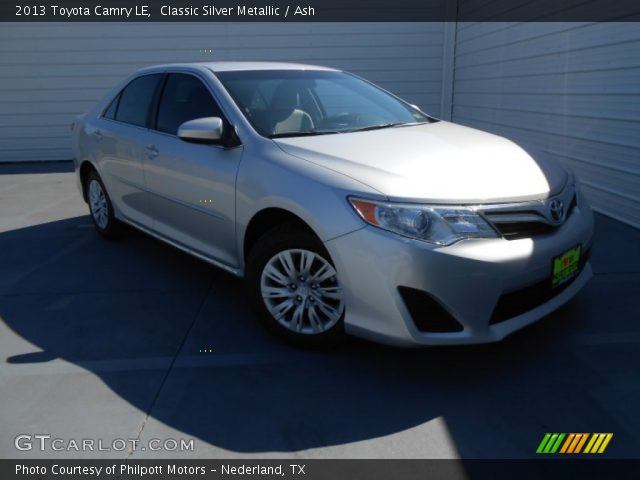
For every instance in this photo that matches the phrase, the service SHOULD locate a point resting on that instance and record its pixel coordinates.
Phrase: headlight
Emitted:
(430, 223)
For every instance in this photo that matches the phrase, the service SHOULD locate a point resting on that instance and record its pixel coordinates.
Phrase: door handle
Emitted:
(97, 134)
(152, 151)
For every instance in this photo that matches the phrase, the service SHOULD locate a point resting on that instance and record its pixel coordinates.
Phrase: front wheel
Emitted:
(295, 288)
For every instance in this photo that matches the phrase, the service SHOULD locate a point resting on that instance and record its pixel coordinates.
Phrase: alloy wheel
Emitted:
(301, 291)
(98, 203)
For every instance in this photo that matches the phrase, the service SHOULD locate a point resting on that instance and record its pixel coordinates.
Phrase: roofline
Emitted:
(237, 66)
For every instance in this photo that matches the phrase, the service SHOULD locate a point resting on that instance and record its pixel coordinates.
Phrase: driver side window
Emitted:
(184, 98)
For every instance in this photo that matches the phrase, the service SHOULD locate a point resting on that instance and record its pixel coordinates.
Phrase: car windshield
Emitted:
(287, 103)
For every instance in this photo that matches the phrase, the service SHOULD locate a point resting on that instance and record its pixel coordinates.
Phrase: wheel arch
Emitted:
(86, 167)
(267, 219)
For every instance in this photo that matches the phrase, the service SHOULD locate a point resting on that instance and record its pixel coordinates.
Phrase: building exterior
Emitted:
(570, 91)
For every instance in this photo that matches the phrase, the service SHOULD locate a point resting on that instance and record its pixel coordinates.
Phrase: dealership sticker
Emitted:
(565, 266)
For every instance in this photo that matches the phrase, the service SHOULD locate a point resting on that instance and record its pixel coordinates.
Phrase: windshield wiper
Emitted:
(363, 129)
(386, 125)
(302, 134)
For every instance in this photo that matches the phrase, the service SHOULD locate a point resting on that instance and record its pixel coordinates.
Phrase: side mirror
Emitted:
(206, 130)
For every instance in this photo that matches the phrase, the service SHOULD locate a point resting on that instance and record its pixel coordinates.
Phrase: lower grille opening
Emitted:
(521, 301)
(517, 230)
(427, 313)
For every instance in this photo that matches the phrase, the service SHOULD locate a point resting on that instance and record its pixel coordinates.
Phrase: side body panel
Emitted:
(117, 153)
(191, 189)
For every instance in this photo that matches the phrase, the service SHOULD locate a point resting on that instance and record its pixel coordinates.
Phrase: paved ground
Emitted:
(105, 340)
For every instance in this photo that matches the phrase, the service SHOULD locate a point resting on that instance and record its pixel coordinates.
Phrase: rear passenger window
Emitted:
(184, 98)
(135, 100)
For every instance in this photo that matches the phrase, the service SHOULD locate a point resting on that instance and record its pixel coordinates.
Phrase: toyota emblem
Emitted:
(556, 211)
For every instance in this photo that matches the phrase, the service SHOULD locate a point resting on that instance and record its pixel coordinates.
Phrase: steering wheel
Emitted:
(342, 119)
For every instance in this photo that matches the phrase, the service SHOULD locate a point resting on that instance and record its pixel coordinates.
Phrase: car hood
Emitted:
(439, 162)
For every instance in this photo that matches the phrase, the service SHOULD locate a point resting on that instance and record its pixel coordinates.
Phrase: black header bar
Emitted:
(318, 10)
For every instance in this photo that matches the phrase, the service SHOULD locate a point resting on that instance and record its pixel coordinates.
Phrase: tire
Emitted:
(100, 207)
(290, 304)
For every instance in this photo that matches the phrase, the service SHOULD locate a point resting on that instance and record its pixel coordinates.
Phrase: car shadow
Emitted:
(113, 307)
(49, 166)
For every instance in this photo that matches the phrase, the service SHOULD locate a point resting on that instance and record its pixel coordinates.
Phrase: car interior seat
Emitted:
(286, 114)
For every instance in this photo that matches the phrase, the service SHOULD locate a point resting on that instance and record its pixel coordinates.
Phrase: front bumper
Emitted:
(467, 279)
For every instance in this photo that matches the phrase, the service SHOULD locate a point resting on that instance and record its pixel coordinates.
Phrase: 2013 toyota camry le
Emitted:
(346, 209)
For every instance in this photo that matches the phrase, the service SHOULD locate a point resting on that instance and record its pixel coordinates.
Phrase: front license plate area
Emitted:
(565, 266)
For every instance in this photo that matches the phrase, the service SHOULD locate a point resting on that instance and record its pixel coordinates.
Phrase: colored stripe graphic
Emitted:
(577, 443)
(574, 442)
(567, 443)
(556, 445)
(593, 439)
(544, 441)
(598, 442)
(596, 445)
(550, 443)
(604, 445)
(581, 442)
(573, 445)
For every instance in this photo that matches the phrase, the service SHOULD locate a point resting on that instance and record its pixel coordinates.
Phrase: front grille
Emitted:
(534, 226)
(521, 301)
(427, 313)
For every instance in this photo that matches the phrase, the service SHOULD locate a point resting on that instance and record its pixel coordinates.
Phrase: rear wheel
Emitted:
(295, 287)
(100, 207)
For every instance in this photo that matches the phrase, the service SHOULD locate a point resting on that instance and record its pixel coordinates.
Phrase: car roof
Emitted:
(235, 66)
(239, 66)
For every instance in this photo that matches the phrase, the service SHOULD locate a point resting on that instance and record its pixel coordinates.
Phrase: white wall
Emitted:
(569, 90)
(50, 72)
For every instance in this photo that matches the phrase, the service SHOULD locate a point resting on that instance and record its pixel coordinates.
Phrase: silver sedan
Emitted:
(346, 209)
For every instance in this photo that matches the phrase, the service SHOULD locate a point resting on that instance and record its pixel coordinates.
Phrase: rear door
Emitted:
(118, 136)
(191, 185)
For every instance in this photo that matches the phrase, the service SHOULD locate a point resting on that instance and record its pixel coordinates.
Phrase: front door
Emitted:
(191, 186)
